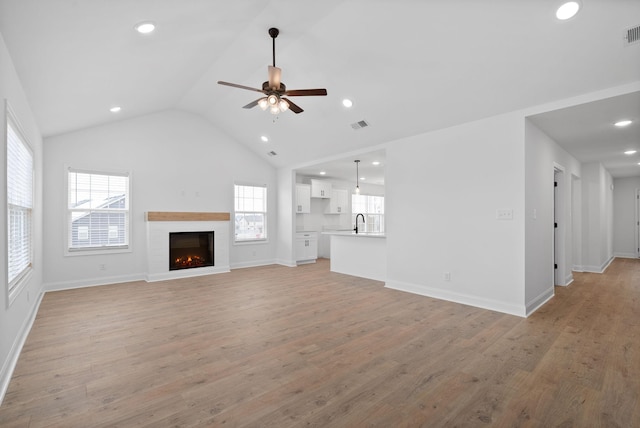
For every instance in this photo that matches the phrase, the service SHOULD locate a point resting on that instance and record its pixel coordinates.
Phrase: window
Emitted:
(98, 210)
(250, 213)
(19, 206)
(372, 207)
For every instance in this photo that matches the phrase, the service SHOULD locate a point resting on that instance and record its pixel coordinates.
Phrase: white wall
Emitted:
(542, 157)
(178, 162)
(597, 220)
(15, 320)
(442, 192)
(286, 217)
(625, 234)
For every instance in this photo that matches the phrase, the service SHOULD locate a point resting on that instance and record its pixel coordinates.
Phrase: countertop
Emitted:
(355, 235)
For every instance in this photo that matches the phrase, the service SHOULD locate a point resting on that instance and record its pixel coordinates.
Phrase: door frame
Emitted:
(559, 218)
(638, 222)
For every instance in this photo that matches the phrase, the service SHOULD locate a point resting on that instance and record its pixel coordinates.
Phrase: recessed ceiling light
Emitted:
(264, 139)
(145, 27)
(630, 152)
(323, 172)
(623, 123)
(347, 103)
(567, 10)
(362, 178)
(115, 109)
(376, 163)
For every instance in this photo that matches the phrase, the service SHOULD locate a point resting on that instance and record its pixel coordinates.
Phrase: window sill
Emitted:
(96, 251)
(252, 242)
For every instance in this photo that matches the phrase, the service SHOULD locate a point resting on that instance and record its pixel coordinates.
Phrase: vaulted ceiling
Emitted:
(409, 66)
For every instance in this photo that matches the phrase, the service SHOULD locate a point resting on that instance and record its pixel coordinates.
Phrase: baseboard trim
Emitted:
(186, 273)
(542, 298)
(70, 285)
(287, 263)
(16, 348)
(598, 269)
(625, 255)
(257, 263)
(465, 299)
(568, 279)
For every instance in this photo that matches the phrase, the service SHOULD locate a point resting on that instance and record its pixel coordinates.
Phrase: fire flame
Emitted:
(189, 261)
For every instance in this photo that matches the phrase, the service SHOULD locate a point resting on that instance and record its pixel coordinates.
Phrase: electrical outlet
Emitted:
(504, 214)
(447, 276)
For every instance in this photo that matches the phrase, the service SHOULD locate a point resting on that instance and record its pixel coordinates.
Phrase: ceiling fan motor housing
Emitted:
(266, 87)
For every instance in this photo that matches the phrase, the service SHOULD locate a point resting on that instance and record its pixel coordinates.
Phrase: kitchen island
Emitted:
(361, 254)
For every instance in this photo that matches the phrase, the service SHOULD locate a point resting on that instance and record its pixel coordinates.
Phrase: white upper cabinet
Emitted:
(320, 189)
(338, 203)
(303, 199)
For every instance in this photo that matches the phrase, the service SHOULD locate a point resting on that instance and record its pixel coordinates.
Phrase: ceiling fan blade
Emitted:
(252, 104)
(305, 92)
(274, 77)
(234, 85)
(293, 107)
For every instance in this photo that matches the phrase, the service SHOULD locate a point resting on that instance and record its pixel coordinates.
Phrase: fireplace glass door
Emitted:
(190, 250)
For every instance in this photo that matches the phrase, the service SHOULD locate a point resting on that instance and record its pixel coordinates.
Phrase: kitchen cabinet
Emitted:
(303, 199)
(320, 189)
(338, 202)
(306, 247)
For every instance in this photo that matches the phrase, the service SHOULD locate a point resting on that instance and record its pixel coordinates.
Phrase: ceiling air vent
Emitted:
(632, 35)
(272, 153)
(360, 124)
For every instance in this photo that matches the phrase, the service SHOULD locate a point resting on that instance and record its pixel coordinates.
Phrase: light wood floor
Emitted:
(290, 347)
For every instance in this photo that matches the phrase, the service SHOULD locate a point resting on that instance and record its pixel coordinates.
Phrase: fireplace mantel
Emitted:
(185, 216)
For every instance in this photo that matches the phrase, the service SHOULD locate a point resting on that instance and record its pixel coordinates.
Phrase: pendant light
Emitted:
(357, 177)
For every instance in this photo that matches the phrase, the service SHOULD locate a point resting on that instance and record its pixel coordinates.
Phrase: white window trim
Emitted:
(24, 277)
(73, 252)
(259, 241)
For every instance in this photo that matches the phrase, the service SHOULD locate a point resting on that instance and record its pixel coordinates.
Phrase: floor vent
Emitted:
(632, 35)
(272, 153)
(360, 124)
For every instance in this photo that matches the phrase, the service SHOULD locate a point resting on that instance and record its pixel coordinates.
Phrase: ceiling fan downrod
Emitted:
(273, 32)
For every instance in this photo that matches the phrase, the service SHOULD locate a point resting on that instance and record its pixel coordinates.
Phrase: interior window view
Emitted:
(275, 213)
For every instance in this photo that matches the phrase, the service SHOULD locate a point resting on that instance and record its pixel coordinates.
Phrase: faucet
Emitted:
(356, 228)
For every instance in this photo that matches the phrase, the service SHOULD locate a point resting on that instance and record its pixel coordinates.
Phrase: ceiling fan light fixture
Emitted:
(272, 100)
(283, 105)
(262, 103)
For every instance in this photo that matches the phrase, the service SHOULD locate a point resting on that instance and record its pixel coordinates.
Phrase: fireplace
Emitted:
(190, 250)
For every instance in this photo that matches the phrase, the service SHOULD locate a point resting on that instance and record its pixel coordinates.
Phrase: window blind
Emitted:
(19, 205)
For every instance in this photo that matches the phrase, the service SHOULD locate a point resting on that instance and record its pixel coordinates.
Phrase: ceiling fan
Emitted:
(275, 90)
